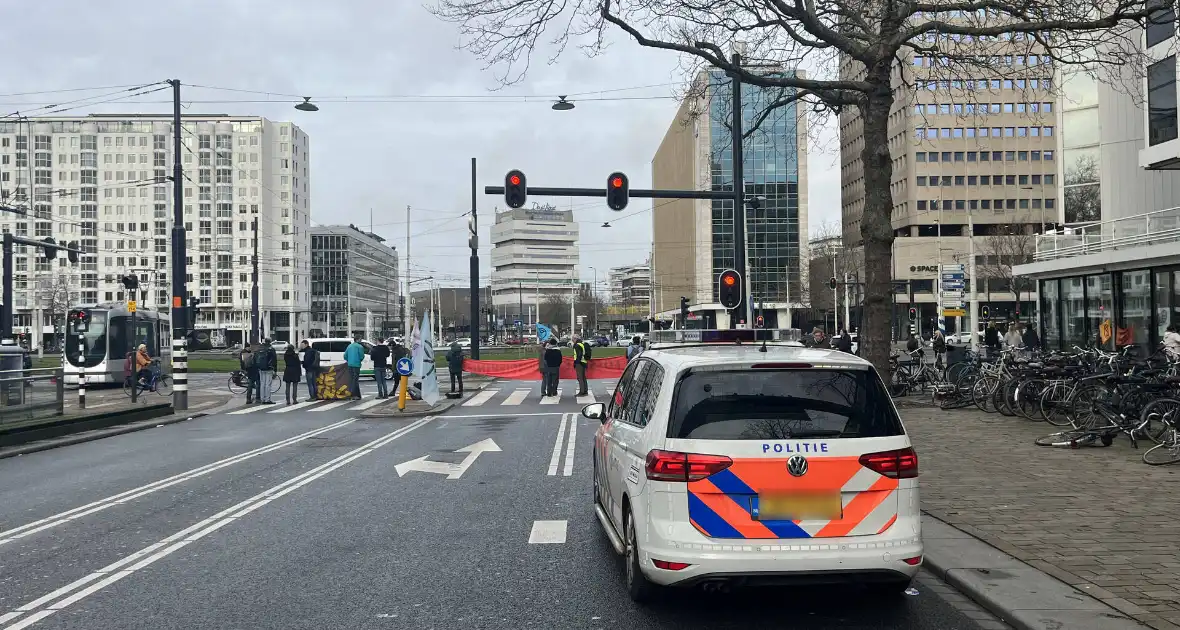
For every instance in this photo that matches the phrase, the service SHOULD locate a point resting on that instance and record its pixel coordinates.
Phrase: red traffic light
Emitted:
(728, 279)
(514, 179)
(616, 182)
(729, 289)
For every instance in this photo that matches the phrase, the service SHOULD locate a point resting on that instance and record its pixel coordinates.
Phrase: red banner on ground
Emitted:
(528, 370)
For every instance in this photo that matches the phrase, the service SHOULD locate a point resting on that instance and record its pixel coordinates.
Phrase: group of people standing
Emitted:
(550, 364)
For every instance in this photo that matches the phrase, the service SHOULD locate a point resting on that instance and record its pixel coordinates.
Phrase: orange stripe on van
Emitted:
(770, 474)
(729, 511)
(859, 508)
(888, 525)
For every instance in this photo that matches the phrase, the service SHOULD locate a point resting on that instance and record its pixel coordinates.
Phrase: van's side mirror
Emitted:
(595, 411)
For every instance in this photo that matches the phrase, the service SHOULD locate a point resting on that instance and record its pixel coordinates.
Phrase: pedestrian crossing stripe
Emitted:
(504, 396)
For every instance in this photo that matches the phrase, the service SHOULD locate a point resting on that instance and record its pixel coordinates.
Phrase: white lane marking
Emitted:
(148, 555)
(501, 415)
(134, 493)
(302, 405)
(587, 399)
(481, 398)
(555, 459)
(569, 447)
(516, 397)
(370, 403)
(547, 532)
(552, 400)
(332, 405)
(249, 409)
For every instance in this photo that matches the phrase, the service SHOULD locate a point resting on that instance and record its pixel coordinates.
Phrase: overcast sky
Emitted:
(381, 157)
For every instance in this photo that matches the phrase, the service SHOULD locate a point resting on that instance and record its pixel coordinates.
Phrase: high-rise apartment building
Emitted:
(693, 239)
(354, 284)
(534, 256)
(630, 285)
(105, 181)
(978, 143)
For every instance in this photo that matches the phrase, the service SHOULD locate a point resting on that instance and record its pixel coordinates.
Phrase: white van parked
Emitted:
(332, 349)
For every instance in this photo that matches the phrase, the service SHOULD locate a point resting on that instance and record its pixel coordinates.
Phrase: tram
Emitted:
(109, 332)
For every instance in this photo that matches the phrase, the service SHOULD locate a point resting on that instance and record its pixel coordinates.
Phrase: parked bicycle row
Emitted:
(1091, 394)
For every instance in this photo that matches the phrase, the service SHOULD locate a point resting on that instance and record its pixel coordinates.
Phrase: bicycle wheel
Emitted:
(1159, 417)
(1084, 405)
(164, 385)
(237, 387)
(1027, 398)
(127, 384)
(276, 383)
(1074, 438)
(1166, 452)
(1054, 405)
(981, 392)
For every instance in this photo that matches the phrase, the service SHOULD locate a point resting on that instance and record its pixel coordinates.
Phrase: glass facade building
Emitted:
(354, 283)
(771, 179)
(1110, 310)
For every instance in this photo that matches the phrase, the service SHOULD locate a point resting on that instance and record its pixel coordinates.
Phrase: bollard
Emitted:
(401, 396)
(82, 387)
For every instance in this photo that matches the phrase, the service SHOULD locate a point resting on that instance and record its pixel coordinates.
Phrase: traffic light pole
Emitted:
(739, 196)
(475, 334)
(10, 242)
(180, 323)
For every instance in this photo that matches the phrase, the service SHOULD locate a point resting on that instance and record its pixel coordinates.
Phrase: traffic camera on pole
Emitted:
(515, 189)
(729, 288)
(617, 191)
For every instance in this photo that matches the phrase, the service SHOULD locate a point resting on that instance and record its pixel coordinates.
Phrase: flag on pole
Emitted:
(429, 374)
(543, 332)
(416, 349)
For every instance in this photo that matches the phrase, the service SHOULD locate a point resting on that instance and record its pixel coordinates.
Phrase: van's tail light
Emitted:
(899, 464)
(673, 466)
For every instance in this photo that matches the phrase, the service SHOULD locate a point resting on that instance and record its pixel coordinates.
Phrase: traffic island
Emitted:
(417, 408)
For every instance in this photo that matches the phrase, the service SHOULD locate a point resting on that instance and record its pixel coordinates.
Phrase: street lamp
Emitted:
(562, 105)
(308, 106)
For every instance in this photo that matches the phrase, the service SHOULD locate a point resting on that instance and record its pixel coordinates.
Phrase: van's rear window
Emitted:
(781, 405)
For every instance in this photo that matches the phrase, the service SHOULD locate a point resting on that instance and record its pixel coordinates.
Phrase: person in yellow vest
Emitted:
(581, 358)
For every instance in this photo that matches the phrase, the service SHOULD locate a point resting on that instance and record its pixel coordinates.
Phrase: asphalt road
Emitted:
(300, 519)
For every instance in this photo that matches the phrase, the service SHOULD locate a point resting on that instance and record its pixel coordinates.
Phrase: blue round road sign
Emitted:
(405, 366)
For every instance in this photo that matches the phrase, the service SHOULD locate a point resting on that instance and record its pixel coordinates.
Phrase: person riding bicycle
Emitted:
(143, 365)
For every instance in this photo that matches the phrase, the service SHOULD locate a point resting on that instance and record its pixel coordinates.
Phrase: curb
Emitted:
(45, 445)
(1019, 593)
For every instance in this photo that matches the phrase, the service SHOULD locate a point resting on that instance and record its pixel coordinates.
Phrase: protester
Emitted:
(455, 366)
(553, 366)
(844, 343)
(268, 364)
(354, 356)
(249, 365)
(292, 374)
(581, 358)
(311, 369)
(635, 348)
(380, 355)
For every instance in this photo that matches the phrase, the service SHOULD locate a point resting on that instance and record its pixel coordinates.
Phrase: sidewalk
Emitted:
(1098, 519)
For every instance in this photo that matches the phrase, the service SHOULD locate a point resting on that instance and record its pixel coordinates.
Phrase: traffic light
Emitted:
(72, 256)
(50, 252)
(617, 190)
(683, 309)
(913, 314)
(130, 282)
(193, 303)
(985, 312)
(729, 288)
(832, 283)
(515, 189)
(759, 322)
(80, 321)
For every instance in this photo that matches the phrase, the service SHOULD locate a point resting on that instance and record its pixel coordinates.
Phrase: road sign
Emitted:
(405, 366)
(952, 267)
(954, 312)
(130, 306)
(954, 276)
(451, 470)
(518, 323)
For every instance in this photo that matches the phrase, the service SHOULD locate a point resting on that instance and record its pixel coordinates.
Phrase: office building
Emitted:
(982, 146)
(354, 284)
(630, 285)
(1116, 282)
(105, 181)
(534, 257)
(693, 239)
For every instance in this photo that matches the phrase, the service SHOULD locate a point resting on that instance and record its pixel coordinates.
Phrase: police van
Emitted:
(723, 461)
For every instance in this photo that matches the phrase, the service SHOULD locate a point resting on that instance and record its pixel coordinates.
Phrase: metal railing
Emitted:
(27, 396)
(1150, 228)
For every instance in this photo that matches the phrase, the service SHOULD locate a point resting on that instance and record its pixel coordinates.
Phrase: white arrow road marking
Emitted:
(452, 471)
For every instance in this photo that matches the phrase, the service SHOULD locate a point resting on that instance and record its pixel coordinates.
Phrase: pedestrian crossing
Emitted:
(501, 394)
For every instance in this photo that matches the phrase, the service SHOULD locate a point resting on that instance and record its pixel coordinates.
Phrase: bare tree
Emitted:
(1083, 195)
(554, 310)
(854, 54)
(1001, 252)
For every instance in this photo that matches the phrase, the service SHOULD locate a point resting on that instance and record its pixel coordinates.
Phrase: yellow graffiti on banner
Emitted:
(332, 383)
(1104, 331)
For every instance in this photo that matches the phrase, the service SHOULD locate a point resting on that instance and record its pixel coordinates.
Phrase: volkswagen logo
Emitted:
(797, 466)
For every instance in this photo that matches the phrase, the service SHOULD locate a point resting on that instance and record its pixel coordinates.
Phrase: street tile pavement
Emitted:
(1096, 518)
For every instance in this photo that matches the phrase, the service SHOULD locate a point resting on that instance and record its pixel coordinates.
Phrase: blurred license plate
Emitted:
(799, 507)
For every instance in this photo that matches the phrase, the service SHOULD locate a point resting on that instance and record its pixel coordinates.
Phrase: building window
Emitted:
(1161, 24)
(1161, 101)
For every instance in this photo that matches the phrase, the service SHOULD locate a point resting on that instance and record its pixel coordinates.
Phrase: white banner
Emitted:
(429, 374)
(416, 350)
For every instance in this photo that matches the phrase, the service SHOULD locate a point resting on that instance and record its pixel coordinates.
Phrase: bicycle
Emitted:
(239, 382)
(158, 382)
